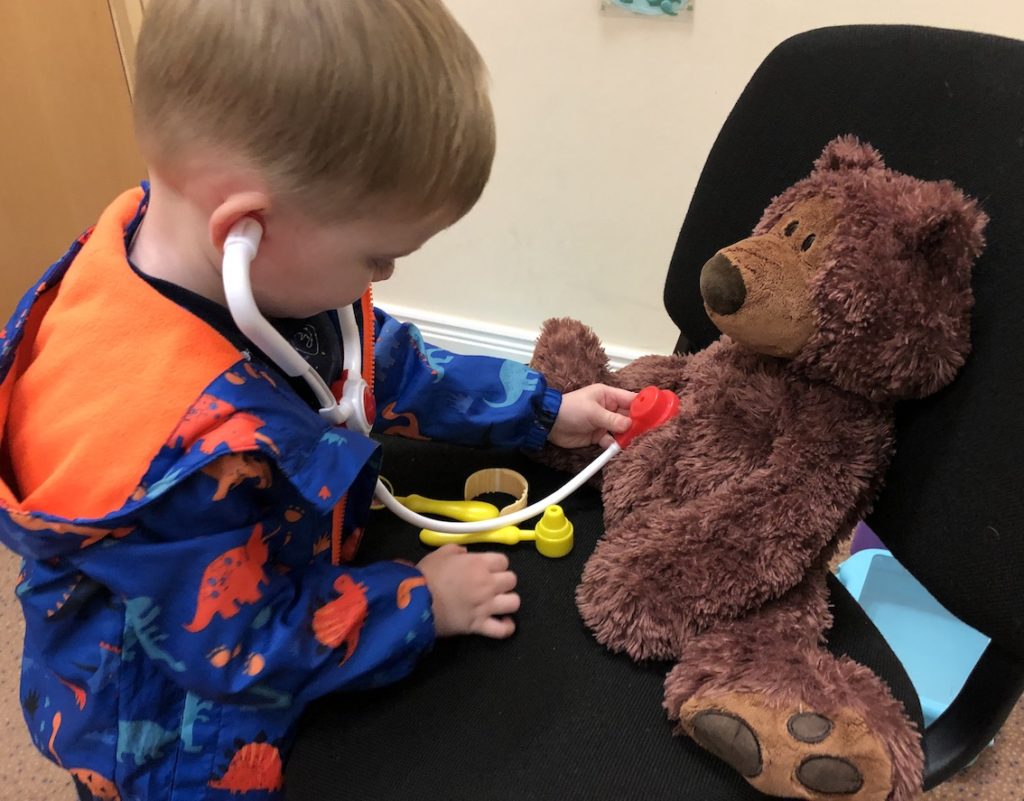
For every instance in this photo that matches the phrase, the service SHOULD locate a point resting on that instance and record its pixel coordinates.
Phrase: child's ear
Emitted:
(235, 207)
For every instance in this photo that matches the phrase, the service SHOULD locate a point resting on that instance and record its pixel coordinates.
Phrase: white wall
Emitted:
(604, 124)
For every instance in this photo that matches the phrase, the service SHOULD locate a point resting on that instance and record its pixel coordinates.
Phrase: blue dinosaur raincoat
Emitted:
(183, 518)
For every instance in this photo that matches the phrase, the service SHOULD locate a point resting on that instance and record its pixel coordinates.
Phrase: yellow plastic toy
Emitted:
(467, 511)
(553, 535)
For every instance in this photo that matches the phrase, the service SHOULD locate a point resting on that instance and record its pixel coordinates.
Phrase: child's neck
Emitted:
(172, 243)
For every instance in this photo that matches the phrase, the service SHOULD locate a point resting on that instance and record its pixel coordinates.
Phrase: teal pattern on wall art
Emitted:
(654, 8)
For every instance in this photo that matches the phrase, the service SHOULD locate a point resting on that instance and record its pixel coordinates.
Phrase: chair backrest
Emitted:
(937, 104)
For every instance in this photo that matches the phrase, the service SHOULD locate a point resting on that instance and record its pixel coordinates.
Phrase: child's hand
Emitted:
(472, 592)
(589, 414)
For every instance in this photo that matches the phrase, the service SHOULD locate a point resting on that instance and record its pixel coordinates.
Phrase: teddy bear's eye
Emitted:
(806, 244)
(789, 229)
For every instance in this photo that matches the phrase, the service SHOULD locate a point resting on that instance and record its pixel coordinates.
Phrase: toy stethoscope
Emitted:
(650, 408)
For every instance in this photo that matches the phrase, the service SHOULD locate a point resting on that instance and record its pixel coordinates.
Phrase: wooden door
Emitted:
(66, 146)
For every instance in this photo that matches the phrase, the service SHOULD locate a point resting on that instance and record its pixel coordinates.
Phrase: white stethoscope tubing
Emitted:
(510, 519)
(240, 248)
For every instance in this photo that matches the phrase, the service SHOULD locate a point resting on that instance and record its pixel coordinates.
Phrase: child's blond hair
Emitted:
(335, 102)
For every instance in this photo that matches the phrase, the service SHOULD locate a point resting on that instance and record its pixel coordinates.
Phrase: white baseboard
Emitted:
(482, 338)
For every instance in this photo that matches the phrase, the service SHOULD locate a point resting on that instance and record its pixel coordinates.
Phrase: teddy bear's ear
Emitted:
(951, 227)
(848, 153)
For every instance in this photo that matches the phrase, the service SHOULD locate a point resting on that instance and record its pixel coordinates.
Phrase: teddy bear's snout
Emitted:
(721, 285)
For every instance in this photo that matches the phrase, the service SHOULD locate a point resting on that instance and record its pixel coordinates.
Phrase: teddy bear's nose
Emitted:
(721, 285)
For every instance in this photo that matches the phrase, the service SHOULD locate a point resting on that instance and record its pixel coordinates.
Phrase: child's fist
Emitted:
(473, 592)
(590, 416)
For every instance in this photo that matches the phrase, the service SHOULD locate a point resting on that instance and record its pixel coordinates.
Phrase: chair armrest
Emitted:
(976, 714)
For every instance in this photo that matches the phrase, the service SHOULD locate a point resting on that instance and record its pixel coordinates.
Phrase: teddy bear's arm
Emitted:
(664, 372)
(569, 355)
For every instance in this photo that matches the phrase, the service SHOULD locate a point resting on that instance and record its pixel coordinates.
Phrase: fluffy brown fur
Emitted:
(853, 292)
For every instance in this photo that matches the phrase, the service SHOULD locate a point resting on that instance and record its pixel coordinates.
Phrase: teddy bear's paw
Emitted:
(793, 752)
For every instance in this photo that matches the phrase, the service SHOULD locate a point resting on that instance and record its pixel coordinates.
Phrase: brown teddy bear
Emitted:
(852, 293)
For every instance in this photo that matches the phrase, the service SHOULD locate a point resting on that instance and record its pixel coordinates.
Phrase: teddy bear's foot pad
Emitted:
(792, 752)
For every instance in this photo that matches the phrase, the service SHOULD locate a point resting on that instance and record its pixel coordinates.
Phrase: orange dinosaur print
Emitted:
(254, 664)
(339, 621)
(325, 492)
(293, 514)
(215, 422)
(98, 787)
(234, 378)
(405, 590)
(260, 374)
(231, 580)
(77, 691)
(411, 430)
(238, 433)
(221, 655)
(231, 470)
(53, 737)
(255, 766)
(204, 415)
(91, 533)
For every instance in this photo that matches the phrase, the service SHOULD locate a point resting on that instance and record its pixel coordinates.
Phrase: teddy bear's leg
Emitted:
(795, 721)
(624, 608)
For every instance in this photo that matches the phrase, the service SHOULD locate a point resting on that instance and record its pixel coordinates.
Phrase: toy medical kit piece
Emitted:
(498, 479)
(466, 511)
(553, 535)
(489, 480)
(650, 408)
(512, 519)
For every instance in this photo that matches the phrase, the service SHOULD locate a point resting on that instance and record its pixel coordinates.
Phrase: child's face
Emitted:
(305, 267)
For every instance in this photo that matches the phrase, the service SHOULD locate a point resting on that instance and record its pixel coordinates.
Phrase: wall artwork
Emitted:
(666, 9)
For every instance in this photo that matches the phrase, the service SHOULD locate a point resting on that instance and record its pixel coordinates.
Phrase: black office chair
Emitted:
(551, 714)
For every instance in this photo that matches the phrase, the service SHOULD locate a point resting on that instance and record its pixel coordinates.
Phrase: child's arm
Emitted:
(218, 596)
(426, 392)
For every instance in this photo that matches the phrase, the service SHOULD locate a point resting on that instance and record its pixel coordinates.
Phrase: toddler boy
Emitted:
(183, 512)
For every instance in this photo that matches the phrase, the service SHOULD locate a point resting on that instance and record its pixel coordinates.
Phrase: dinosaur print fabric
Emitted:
(175, 503)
